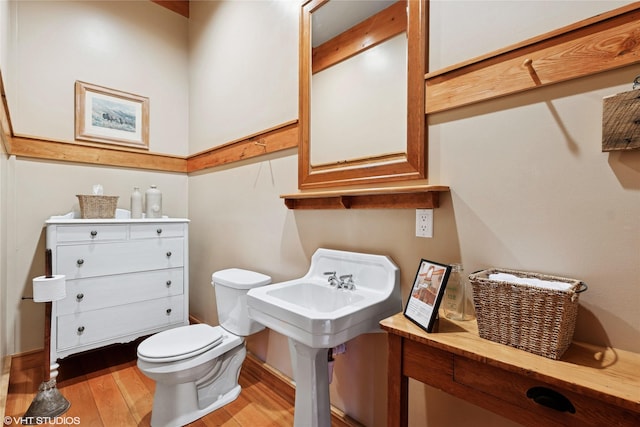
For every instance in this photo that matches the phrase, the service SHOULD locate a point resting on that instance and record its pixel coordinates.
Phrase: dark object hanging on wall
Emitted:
(621, 120)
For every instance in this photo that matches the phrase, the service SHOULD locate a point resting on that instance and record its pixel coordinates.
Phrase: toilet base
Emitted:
(180, 404)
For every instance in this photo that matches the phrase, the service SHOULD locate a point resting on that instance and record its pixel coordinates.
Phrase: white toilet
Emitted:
(196, 367)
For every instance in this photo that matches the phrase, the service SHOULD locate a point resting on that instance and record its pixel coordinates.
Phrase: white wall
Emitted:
(132, 46)
(4, 35)
(243, 69)
(138, 47)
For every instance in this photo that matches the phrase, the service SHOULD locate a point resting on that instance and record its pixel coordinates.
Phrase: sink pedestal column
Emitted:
(312, 406)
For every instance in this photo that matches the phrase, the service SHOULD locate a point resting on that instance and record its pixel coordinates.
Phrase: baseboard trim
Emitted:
(4, 384)
(285, 388)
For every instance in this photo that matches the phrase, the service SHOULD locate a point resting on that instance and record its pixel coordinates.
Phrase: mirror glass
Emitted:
(362, 66)
(348, 121)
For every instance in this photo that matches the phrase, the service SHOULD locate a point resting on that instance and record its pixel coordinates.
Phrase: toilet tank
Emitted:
(231, 287)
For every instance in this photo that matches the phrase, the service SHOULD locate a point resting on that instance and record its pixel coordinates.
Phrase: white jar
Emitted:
(136, 203)
(153, 202)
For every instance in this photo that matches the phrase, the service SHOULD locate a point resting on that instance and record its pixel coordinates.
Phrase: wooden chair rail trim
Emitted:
(605, 42)
(279, 138)
(79, 153)
(268, 141)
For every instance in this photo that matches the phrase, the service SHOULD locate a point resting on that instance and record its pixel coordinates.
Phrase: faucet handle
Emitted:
(346, 281)
(333, 279)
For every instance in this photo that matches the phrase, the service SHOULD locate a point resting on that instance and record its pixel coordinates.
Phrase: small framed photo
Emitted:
(108, 116)
(426, 293)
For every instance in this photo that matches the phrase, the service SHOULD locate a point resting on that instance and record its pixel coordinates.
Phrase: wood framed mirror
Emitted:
(407, 159)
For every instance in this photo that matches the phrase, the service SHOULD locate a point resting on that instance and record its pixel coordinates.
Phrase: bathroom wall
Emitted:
(4, 25)
(138, 47)
(530, 189)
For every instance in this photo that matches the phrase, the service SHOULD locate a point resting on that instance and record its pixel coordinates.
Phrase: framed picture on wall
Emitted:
(108, 116)
(426, 293)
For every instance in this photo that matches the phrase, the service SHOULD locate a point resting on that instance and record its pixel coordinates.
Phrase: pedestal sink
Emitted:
(317, 316)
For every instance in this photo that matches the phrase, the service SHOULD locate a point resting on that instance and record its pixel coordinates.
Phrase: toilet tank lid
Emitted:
(238, 278)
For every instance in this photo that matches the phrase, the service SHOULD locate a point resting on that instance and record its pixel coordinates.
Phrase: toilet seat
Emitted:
(179, 343)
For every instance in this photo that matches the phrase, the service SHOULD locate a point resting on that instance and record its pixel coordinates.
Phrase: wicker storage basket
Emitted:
(97, 206)
(531, 318)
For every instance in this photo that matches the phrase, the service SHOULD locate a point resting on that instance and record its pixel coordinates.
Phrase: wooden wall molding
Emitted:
(181, 7)
(271, 140)
(6, 130)
(36, 148)
(604, 42)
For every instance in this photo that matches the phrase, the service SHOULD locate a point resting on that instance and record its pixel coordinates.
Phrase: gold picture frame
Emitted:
(109, 116)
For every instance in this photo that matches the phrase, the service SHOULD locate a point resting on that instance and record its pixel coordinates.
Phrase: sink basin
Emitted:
(312, 312)
(316, 316)
(315, 297)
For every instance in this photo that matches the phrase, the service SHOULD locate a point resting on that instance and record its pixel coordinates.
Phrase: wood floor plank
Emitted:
(110, 403)
(83, 408)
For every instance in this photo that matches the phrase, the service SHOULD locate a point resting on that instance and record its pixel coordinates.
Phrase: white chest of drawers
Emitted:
(124, 279)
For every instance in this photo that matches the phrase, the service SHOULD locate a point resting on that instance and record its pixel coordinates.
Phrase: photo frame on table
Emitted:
(426, 293)
(109, 116)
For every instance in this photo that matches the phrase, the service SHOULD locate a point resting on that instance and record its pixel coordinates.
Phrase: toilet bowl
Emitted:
(196, 367)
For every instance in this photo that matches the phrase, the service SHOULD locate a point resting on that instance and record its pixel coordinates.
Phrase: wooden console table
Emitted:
(589, 386)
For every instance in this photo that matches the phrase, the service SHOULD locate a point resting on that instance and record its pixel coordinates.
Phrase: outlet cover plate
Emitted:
(424, 222)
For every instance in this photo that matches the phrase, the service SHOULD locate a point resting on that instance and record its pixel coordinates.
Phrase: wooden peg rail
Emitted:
(605, 42)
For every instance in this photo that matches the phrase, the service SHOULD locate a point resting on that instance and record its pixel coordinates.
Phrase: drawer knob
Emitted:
(551, 399)
(168, 254)
(159, 231)
(80, 296)
(80, 261)
(168, 283)
(168, 311)
(94, 233)
(80, 329)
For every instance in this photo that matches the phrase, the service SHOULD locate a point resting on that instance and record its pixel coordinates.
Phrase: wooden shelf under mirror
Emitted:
(404, 197)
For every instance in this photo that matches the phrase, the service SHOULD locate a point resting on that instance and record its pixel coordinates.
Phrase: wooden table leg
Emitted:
(398, 385)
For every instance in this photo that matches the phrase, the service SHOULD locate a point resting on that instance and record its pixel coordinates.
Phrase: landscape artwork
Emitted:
(108, 116)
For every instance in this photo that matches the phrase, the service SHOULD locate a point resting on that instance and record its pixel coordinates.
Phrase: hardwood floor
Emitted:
(106, 388)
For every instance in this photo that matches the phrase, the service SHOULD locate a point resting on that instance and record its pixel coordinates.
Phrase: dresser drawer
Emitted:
(108, 291)
(91, 233)
(514, 389)
(78, 261)
(149, 231)
(90, 327)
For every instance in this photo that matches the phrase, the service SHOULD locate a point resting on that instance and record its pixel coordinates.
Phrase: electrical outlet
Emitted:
(424, 222)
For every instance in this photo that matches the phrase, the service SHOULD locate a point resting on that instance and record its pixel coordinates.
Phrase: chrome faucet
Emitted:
(346, 282)
(333, 279)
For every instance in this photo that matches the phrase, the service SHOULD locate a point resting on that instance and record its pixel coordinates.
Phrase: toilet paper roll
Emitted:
(47, 289)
